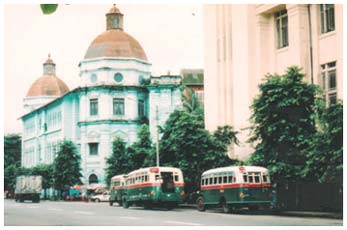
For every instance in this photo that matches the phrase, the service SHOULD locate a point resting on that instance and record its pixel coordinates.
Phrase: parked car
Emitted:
(104, 197)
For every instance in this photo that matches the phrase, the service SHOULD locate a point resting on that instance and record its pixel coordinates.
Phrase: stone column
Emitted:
(299, 45)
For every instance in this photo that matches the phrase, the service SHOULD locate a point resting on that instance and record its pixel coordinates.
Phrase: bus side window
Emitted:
(245, 178)
(146, 178)
(257, 179)
(250, 179)
(211, 180)
(176, 178)
(202, 181)
(206, 181)
(215, 180)
(225, 179)
(230, 179)
(219, 180)
(264, 178)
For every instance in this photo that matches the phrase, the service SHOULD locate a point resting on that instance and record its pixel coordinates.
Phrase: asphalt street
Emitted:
(47, 213)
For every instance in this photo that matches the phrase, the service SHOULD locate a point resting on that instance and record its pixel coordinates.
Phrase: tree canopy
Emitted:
(284, 124)
(187, 145)
(66, 166)
(118, 162)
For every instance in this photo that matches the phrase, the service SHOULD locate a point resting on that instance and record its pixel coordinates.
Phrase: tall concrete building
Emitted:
(245, 42)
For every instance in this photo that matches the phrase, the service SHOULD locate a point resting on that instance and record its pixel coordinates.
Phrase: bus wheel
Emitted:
(201, 204)
(125, 204)
(226, 207)
(147, 205)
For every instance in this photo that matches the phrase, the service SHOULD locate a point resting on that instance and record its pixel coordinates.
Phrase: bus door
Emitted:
(168, 185)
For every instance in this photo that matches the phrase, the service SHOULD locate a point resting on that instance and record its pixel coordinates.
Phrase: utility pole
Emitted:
(157, 136)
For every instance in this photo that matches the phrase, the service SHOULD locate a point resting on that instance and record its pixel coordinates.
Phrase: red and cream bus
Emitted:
(235, 187)
(162, 186)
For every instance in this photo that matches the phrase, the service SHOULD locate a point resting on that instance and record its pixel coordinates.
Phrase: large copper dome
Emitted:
(114, 42)
(49, 84)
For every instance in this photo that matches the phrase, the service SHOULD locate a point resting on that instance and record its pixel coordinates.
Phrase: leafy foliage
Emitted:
(48, 8)
(190, 100)
(325, 154)
(142, 149)
(284, 124)
(118, 162)
(187, 145)
(66, 166)
(12, 150)
(12, 160)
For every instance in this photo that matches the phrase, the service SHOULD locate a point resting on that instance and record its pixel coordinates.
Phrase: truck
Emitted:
(28, 188)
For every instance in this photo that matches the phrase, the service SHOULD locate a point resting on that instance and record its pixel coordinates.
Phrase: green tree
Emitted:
(48, 8)
(12, 150)
(118, 162)
(66, 166)
(284, 124)
(141, 149)
(190, 100)
(187, 145)
(325, 154)
(12, 160)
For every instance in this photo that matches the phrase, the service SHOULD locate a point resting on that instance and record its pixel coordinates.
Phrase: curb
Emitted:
(284, 213)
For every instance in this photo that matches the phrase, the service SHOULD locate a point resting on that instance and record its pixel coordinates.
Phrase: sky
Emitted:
(171, 35)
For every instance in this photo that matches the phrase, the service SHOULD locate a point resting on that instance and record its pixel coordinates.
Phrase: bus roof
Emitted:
(235, 168)
(118, 177)
(161, 169)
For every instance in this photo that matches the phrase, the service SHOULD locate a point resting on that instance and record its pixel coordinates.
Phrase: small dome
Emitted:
(115, 43)
(48, 85)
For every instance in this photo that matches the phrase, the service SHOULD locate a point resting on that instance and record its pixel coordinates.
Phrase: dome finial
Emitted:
(49, 66)
(114, 19)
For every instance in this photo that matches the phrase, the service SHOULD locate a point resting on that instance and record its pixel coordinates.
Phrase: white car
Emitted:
(101, 197)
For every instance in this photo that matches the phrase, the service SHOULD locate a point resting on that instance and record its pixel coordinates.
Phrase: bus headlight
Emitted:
(182, 193)
(242, 195)
(152, 193)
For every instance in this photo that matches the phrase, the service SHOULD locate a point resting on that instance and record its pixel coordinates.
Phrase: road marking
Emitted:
(129, 217)
(33, 207)
(55, 209)
(84, 213)
(182, 223)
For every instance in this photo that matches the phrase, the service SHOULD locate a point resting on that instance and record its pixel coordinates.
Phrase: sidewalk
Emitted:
(332, 215)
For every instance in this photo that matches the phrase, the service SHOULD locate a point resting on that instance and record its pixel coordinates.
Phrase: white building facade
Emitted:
(245, 42)
(116, 95)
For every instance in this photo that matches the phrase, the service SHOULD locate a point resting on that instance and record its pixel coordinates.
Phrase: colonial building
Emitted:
(116, 95)
(245, 42)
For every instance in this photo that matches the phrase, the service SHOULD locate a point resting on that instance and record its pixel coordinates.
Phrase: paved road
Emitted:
(98, 214)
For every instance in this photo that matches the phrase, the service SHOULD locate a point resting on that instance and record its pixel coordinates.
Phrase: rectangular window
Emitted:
(202, 182)
(219, 180)
(327, 18)
(225, 179)
(282, 29)
(118, 106)
(230, 179)
(264, 179)
(245, 178)
(93, 148)
(211, 180)
(141, 108)
(176, 178)
(328, 82)
(93, 107)
(215, 180)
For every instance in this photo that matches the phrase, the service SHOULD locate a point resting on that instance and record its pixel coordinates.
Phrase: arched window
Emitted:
(93, 179)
